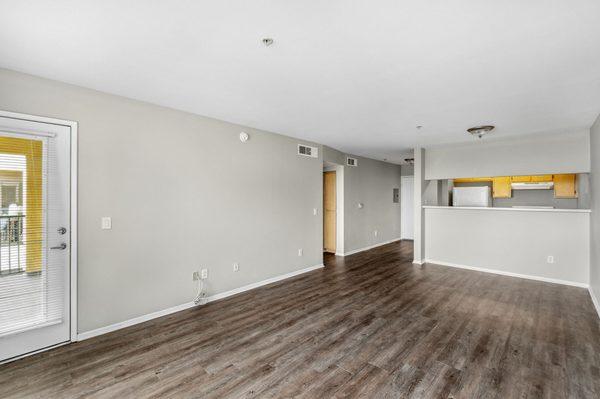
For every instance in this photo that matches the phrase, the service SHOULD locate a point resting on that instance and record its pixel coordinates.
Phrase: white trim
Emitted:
(483, 208)
(355, 251)
(510, 274)
(418, 262)
(595, 300)
(74, 224)
(178, 308)
(73, 261)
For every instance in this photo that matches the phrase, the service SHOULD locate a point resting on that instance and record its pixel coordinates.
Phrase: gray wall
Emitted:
(532, 155)
(595, 216)
(408, 170)
(511, 241)
(184, 193)
(370, 183)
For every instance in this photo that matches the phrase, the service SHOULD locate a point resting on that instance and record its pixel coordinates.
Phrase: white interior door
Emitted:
(407, 205)
(35, 236)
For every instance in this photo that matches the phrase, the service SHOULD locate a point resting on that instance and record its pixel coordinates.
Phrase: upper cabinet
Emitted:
(501, 187)
(565, 186)
(541, 178)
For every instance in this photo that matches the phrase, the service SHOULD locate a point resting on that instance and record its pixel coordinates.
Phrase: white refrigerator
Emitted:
(472, 196)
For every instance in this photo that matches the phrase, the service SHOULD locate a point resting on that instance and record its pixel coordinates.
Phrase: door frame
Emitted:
(72, 125)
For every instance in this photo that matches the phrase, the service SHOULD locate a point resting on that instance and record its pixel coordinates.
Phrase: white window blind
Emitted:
(32, 277)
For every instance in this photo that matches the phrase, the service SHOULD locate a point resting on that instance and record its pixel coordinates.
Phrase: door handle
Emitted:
(61, 246)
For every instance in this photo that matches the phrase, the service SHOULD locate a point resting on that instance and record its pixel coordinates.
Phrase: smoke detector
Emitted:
(480, 131)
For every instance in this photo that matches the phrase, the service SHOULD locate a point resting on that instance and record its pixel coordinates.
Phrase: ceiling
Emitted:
(355, 75)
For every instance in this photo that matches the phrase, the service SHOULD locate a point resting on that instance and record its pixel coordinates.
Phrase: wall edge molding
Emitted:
(509, 274)
(222, 295)
(355, 251)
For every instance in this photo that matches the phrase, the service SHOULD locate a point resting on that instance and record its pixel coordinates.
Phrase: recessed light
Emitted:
(480, 131)
(267, 41)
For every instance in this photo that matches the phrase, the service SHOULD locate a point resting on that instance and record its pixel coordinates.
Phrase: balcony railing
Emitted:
(12, 247)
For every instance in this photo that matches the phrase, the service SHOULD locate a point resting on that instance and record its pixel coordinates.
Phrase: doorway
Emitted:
(36, 234)
(407, 215)
(329, 211)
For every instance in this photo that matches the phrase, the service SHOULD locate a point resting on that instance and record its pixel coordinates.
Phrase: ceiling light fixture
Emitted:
(480, 131)
(267, 41)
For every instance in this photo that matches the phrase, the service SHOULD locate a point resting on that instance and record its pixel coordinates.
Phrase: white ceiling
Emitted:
(355, 75)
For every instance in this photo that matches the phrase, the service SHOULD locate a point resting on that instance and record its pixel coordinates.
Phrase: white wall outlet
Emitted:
(376, 233)
(196, 276)
(550, 259)
(236, 267)
(300, 252)
(204, 274)
(106, 223)
(315, 211)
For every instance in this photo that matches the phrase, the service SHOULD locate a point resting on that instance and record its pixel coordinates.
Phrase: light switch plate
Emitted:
(106, 223)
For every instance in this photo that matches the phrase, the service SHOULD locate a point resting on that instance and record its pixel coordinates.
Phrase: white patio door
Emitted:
(35, 236)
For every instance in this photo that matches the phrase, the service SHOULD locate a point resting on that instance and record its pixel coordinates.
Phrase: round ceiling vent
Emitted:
(480, 131)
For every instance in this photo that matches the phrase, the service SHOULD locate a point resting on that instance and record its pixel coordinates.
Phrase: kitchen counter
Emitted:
(543, 244)
(481, 208)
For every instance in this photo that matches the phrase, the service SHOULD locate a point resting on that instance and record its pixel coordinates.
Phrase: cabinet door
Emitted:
(565, 186)
(472, 179)
(541, 178)
(501, 187)
(520, 179)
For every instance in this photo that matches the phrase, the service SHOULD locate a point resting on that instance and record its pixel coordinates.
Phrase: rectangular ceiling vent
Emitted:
(351, 161)
(308, 151)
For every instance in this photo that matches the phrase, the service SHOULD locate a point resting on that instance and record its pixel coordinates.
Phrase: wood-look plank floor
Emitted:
(369, 325)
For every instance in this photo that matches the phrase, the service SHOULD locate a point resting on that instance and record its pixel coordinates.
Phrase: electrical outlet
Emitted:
(315, 211)
(196, 276)
(300, 252)
(550, 259)
(236, 267)
(376, 233)
(204, 274)
(106, 223)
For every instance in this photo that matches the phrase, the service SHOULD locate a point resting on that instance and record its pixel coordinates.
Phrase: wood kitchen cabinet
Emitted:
(541, 178)
(520, 179)
(565, 186)
(501, 187)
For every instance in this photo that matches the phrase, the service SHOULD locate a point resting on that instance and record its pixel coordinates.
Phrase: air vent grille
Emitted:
(308, 151)
(351, 161)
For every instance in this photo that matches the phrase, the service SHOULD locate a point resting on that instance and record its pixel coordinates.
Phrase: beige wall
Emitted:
(371, 183)
(184, 193)
(511, 241)
(595, 216)
(530, 155)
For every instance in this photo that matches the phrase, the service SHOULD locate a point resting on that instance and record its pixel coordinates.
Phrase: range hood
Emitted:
(545, 185)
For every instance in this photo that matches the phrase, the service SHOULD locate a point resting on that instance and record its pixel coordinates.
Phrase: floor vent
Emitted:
(307, 151)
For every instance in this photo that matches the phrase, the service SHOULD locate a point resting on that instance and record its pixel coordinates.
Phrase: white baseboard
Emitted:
(510, 274)
(178, 308)
(595, 300)
(355, 251)
(418, 262)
